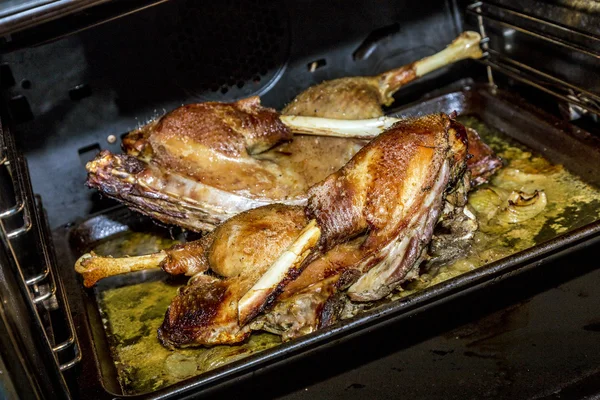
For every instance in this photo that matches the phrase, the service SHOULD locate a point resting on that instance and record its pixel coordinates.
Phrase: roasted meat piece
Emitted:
(212, 308)
(362, 97)
(290, 270)
(483, 162)
(204, 163)
(374, 217)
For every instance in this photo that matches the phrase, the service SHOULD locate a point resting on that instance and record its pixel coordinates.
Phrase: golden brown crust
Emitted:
(228, 128)
(344, 98)
(376, 215)
(205, 312)
(360, 195)
(200, 314)
(214, 143)
(358, 97)
(187, 258)
(385, 202)
(254, 238)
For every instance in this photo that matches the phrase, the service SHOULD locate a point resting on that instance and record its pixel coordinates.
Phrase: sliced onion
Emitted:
(486, 201)
(521, 207)
(518, 179)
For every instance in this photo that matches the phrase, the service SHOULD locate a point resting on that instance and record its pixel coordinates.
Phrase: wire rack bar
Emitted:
(518, 76)
(521, 71)
(548, 38)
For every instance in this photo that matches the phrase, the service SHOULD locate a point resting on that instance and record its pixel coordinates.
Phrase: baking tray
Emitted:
(557, 141)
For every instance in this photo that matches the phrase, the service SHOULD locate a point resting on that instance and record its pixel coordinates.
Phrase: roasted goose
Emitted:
(200, 164)
(362, 97)
(203, 163)
(291, 269)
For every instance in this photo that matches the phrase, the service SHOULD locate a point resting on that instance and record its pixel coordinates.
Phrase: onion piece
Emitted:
(487, 201)
(521, 207)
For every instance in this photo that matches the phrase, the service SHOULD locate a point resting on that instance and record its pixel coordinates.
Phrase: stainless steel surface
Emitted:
(27, 240)
(19, 15)
(12, 184)
(23, 336)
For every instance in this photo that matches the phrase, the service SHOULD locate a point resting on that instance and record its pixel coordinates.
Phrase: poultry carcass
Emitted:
(203, 163)
(288, 269)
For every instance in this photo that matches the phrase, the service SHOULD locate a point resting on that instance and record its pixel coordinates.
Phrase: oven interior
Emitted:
(75, 83)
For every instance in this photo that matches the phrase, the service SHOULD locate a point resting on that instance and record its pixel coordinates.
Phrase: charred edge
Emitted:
(347, 278)
(188, 323)
(330, 311)
(397, 78)
(132, 165)
(459, 129)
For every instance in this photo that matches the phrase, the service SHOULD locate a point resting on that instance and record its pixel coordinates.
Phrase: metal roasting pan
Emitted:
(559, 142)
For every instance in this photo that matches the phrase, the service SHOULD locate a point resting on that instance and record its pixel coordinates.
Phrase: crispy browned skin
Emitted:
(376, 216)
(399, 194)
(396, 224)
(232, 129)
(358, 97)
(184, 259)
(205, 312)
(212, 143)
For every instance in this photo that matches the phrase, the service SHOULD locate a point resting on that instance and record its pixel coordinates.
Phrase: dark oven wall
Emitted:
(66, 98)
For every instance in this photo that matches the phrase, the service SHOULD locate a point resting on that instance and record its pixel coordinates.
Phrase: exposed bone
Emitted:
(466, 45)
(360, 128)
(253, 301)
(93, 267)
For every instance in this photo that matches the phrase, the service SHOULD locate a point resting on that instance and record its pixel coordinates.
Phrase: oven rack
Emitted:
(489, 15)
(25, 232)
